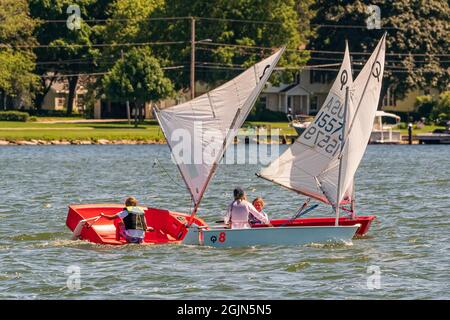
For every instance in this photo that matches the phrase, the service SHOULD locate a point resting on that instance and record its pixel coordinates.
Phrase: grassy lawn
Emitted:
(44, 119)
(78, 131)
(40, 130)
(282, 126)
(150, 130)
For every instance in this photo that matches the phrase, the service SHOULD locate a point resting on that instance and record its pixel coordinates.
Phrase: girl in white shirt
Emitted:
(240, 209)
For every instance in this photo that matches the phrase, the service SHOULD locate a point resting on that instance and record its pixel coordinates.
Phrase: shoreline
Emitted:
(39, 142)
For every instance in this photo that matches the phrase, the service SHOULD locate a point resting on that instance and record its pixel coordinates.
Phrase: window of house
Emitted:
(60, 102)
(313, 104)
(321, 76)
(263, 102)
(330, 76)
(312, 76)
(297, 78)
(389, 98)
(80, 102)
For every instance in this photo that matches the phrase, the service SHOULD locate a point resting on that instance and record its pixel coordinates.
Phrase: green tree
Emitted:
(125, 22)
(441, 109)
(63, 45)
(137, 77)
(424, 105)
(17, 61)
(287, 28)
(413, 27)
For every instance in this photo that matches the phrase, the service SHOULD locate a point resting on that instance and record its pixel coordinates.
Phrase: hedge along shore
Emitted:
(34, 142)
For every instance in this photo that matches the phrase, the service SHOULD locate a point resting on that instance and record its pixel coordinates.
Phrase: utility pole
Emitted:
(128, 102)
(192, 57)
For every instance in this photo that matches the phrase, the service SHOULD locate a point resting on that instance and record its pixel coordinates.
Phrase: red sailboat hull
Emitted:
(364, 221)
(168, 226)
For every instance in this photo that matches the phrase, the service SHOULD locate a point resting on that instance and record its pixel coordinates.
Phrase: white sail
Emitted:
(199, 130)
(365, 96)
(304, 166)
(304, 169)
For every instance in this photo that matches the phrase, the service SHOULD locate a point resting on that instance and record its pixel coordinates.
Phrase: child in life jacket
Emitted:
(258, 203)
(132, 224)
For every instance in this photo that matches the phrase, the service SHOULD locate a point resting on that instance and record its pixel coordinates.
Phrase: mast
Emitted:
(353, 201)
(344, 121)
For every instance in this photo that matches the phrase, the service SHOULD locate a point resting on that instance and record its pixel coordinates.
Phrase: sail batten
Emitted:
(199, 131)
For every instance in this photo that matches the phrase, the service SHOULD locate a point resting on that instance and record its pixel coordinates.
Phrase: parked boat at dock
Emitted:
(300, 122)
(383, 133)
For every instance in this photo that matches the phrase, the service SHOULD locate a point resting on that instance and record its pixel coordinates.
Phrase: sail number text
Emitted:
(325, 132)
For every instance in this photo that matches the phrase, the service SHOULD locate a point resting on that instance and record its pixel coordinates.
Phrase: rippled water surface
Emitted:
(407, 187)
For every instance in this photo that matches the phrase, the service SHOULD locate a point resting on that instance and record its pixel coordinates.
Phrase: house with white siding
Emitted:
(303, 97)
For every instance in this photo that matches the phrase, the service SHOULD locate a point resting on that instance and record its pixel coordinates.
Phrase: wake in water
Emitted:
(340, 244)
(37, 236)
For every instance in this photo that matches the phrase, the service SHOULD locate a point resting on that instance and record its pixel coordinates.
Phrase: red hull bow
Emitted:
(168, 226)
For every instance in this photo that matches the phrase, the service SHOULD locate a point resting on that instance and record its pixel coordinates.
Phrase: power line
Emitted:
(357, 70)
(117, 20)
(357, 60)
(98, 45)
(217, 44)
(393, 55)
(352, 26)
(216, 67)
(108, 61)
(98, 73)
(320, 51)
(243, 67)
(249, 21)
(241, 20)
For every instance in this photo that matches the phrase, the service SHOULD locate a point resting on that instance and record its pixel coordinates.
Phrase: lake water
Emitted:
(406, 187)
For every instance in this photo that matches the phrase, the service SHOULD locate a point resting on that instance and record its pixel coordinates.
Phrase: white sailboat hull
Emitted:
(226, 238)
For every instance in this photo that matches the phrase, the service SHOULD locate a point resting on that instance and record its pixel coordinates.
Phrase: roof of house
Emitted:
(290, 89)
(275, 89)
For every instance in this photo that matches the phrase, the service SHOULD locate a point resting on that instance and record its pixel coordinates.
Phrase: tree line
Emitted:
(140, 50)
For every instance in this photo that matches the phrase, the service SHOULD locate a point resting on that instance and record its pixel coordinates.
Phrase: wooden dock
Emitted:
(433, 138)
